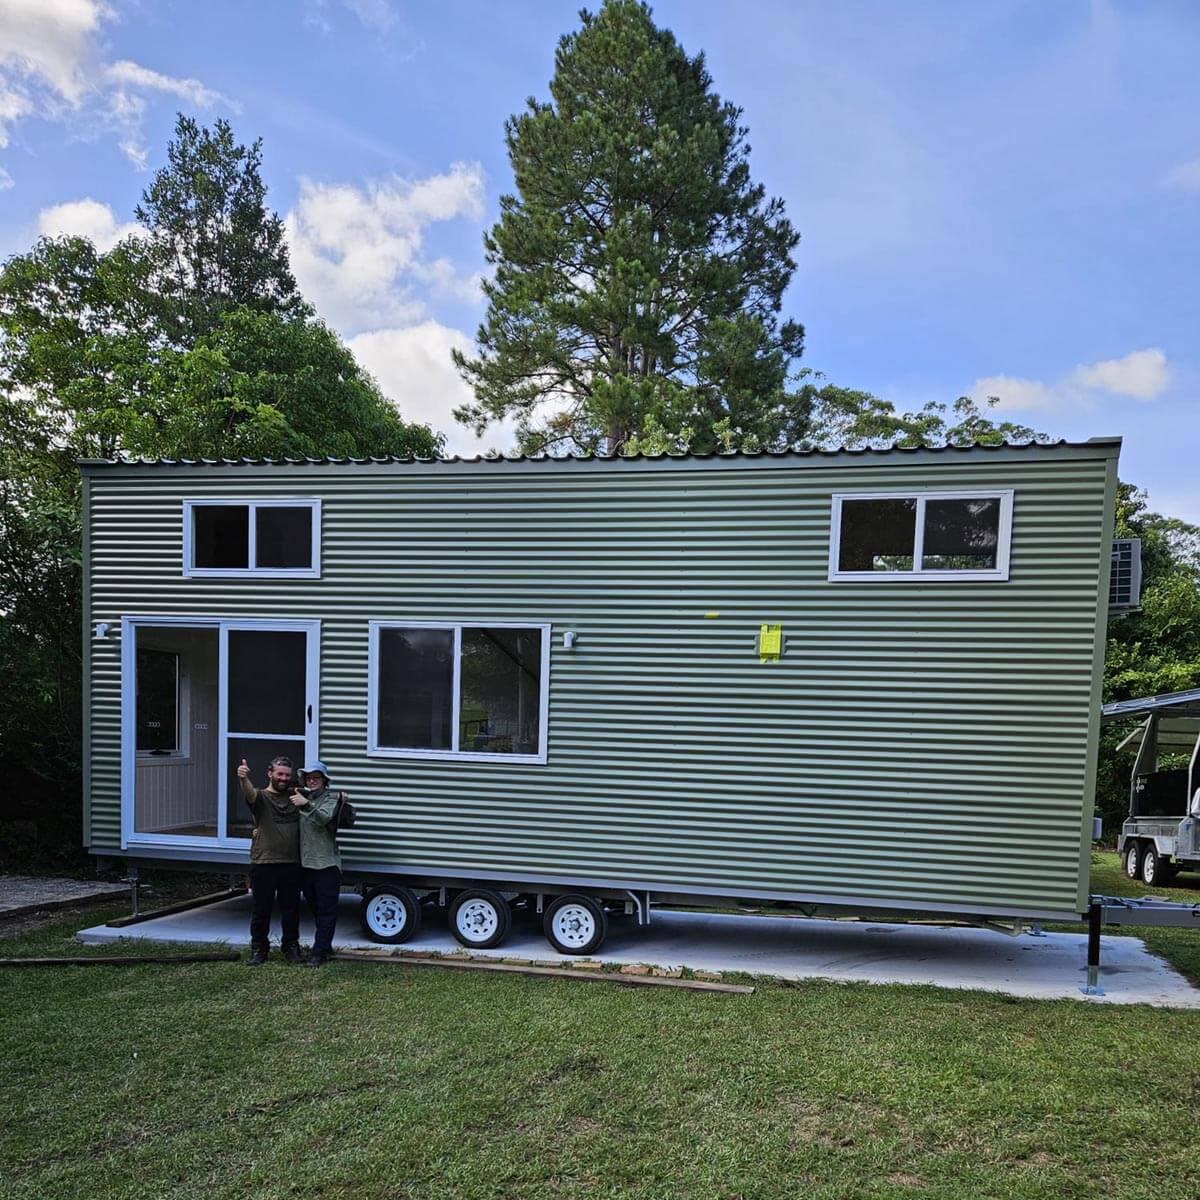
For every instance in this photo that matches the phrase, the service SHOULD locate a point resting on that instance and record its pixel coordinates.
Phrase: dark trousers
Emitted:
(321, 891)
(268, 880)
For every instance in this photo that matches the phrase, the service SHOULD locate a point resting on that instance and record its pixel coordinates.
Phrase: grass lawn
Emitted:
(357, 1081)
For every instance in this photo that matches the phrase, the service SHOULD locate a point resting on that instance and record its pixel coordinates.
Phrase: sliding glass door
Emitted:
(201, 695)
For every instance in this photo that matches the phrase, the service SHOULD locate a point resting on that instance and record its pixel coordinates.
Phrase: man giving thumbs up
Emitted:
(274, 860)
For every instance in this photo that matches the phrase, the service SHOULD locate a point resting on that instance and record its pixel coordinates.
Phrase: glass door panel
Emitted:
(258, 753)
(267, 692)
(270, 694)
(175, 740)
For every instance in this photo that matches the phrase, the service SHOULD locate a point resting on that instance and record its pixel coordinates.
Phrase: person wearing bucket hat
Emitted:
(320, 859)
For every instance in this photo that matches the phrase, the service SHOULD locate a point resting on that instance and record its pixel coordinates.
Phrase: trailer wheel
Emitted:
(480, 919)
(390, 914)
(1132, 859)
(1155, 868)
(575, 925)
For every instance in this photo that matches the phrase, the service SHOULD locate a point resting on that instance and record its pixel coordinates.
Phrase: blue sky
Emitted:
(995, 197)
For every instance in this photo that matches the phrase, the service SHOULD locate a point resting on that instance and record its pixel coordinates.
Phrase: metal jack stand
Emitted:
(135, 884)
(1095, 918)
(1120, 910)
(1035, 929)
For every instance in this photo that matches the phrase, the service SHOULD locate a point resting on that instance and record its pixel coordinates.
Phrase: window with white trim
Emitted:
(227, 539)
(920, 536)
(458, 690)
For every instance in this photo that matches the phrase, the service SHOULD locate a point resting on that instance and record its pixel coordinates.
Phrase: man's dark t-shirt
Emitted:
(276, 837)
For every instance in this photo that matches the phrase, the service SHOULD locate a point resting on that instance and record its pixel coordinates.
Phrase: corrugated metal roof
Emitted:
(451, 460)
(1186, 703)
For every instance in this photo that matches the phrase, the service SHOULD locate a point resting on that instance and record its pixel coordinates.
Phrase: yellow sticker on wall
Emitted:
(770, 643)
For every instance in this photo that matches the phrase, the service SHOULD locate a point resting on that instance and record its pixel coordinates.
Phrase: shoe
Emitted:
(318, 959)
(258, 956)
(293, 954)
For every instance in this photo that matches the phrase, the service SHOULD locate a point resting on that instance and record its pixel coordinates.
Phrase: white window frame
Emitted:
(180, 755)
(130, 760)
(191, 571)
(454, 754)
(998, 573)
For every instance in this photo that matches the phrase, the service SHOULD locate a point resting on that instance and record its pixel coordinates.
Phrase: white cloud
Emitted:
(1140, 375)
(13, 106)
(1143, 374)
(126, 105)
(1024, 394)
(374, 14)
(86, 218)
(49, 67)
(360, 255)
(6, 180)
(413, 367)
(129, 74)
(357, 251)
(1185, 175)
(49, 42)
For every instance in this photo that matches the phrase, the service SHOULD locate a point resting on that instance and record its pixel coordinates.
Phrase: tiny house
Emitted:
(865, 680)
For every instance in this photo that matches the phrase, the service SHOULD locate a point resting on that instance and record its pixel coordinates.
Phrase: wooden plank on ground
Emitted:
(474, 964)
(121, 960)
(181, 906)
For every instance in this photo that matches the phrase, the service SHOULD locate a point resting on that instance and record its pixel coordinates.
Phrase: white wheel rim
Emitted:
(386, 915)
(1131, 864)
(574, 925)
(477, 920)
(1149, 868)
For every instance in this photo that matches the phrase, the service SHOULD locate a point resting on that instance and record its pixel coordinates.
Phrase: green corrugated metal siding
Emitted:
(925, 744)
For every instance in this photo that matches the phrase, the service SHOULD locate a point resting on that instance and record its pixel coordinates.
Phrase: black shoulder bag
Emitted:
(344, 815)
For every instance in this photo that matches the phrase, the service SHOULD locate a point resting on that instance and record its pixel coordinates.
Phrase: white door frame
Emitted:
(312, 739)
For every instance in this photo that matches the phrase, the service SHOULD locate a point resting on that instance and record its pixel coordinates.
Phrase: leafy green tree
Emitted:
(213, 242)
(638, 271)
(1157, 649)
(839, 416)
(192, 342)
(259, 385)
(76, 338)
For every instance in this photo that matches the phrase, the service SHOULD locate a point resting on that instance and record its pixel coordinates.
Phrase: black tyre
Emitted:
(1133, 859)
(480, 919)
(390, 914)
(1156, 870)
(575, 925)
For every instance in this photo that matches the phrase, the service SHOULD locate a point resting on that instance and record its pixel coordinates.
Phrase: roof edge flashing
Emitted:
(816, 456)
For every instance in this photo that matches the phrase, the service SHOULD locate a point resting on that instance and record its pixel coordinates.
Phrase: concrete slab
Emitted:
(21, 894)
(1049, 967)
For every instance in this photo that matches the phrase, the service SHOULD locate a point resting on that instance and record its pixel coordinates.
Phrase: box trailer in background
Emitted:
(1161, 835)
(864, 680)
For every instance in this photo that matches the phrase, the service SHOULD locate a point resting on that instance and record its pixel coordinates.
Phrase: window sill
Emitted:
(918, 577)
(459, 756)
(164, 760)
(251, 573)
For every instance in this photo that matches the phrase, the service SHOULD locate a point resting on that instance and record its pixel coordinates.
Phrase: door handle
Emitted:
(310, 713)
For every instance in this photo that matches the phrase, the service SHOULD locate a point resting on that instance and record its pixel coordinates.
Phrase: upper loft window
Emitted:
(921, 536)
(231, 538)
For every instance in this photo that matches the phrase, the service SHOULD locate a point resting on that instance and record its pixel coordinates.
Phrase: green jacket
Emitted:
(318, 846)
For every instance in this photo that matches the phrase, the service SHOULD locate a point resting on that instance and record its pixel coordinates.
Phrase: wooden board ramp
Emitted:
(181, 906)
(592, 976)
(122, 960)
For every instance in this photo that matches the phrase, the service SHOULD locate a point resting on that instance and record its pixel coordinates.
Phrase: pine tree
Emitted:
(638, 271)
(214, 242)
